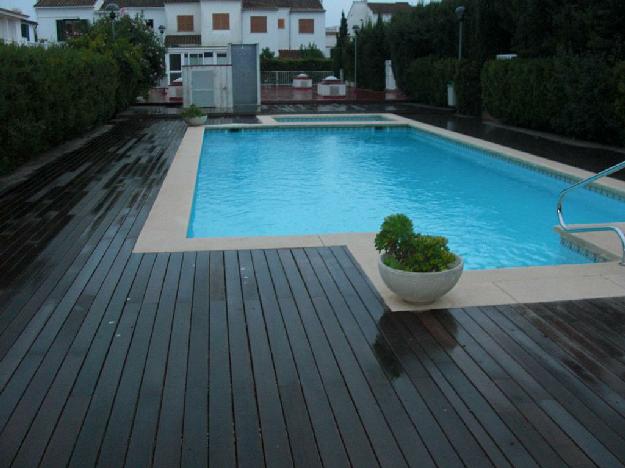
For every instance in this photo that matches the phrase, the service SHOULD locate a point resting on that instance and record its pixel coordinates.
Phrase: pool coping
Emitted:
(165, 229)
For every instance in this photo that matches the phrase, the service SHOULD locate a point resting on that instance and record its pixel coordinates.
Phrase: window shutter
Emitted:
(306, 26)
(280, 23)
(185, 23)
(221, 21)
(258, 24)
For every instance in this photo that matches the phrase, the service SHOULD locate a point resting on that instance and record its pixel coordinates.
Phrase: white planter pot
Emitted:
(196, 121)
(420, 288)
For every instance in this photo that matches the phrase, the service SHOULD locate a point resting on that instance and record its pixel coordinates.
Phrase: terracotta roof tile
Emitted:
(183, 40)
(389, 8)
(64, 3)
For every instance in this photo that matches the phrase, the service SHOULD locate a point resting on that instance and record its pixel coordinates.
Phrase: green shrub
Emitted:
(278, 64)
(619, 98)
(408, 251)
(573, 96)
(468, 87)
(50, 95)
(191, 112)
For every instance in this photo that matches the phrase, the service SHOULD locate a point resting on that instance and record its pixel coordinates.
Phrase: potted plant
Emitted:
(418, 268)
(193, 115)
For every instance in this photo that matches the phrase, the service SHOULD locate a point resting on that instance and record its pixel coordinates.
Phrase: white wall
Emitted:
(269, 39)
(358, 14)
(173, 10)
(47, 16)
(319, 36)
(157, 15)
(330, 43)
(10, 29)
(211, 37)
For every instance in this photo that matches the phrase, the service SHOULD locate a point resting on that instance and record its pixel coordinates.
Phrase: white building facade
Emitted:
(198, 32)
(16, 27)
(363, 12)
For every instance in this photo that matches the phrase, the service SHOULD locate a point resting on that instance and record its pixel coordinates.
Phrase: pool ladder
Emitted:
(583, 183)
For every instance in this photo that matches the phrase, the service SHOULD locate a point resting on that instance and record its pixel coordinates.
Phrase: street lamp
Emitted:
(460, 16)
(161, 29)
(112, 8)
(356, 28)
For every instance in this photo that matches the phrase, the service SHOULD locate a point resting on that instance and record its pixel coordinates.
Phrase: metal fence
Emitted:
(279, 78)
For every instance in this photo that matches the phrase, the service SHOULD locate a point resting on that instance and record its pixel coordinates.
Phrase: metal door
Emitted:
(245, 76)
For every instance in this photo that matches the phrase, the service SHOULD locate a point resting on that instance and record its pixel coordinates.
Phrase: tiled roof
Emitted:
(64, 3)
(389, 8)
(181, 1)
(183, 40)
(134, 3)
(310, 5)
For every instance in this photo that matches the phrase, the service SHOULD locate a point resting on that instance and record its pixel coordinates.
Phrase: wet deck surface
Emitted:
(267, 358)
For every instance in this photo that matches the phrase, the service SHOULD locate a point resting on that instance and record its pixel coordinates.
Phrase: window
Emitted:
(175, 67)
(149, 23)
(280, 23)
(25, 31)
(222, 58)
(68, 28)
(185, 23)
(221, 21)
(306, 26)
(258, 24)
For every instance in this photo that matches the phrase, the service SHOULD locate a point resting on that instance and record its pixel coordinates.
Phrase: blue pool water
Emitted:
(335, 118)
(308, 181)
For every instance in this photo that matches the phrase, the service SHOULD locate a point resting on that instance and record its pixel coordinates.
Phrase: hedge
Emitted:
(427, 80)
(50, 95)
(573, 96)
(277, 64)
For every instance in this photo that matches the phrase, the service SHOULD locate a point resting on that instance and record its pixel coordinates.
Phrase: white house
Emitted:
(332, 33)
(198, 31)
(16, 28)
(363, 12)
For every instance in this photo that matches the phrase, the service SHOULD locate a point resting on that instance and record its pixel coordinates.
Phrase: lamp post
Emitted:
(112, 8)
(161, 29)
(460, 16)
(356, 28)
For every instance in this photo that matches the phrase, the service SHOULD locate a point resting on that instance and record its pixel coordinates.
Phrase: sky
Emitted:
(333, 8)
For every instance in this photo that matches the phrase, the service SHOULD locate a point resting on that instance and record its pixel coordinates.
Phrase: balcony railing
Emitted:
(283, 78)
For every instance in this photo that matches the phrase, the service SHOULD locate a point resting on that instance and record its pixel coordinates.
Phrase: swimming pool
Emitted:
(333, 118)
(299, 181)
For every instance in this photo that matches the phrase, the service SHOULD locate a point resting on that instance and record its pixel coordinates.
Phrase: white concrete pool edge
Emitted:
(166, 228)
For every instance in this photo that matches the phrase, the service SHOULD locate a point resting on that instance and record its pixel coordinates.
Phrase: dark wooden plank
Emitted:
(296, 413)
(169, 436)
(220, 423)
(89, 404)
(329, 439)
(396, 358)
(523, 390)
(273, 425)
(348, 420)
(394, 391)
(376, 423)
(117, 427)
(145, 424)
(195, 440)
(246, 420)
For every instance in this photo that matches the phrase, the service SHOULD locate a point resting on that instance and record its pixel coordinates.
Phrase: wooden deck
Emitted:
(267, 358)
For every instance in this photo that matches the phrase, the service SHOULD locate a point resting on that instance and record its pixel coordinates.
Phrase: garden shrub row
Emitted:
(427, 80)
(577, 96)
(311, 64)
(50, 95)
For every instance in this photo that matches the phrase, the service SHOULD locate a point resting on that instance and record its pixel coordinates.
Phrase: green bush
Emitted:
(619, 98)
(574, 96)
(50, 95)
(408, 251)
(278, 64)
(427, 80)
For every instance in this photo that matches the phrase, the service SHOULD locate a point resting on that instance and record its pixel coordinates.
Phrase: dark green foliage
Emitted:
(372, 53)
(619, 98)
(338, 52)
(427, 80)
(468, 87)
(311, 51)
(408, 251)
(50, 95)
(140, 55)
(191, 111)
(571, 95)
(266, 54)
(277, 64)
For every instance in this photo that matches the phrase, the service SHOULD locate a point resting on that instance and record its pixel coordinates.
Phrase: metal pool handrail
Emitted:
(583, 183)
